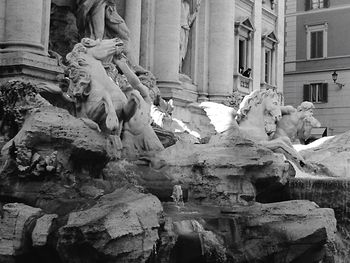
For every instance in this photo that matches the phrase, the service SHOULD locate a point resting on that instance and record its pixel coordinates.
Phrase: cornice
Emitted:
(268, 13)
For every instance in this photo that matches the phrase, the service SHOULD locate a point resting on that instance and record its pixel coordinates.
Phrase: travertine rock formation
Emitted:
(121, 227)
(16, 223)
(64, 166)
(293, 231)
(332, 156)
(224, 173)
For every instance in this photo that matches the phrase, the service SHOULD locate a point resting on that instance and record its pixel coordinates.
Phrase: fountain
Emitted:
(85, 178)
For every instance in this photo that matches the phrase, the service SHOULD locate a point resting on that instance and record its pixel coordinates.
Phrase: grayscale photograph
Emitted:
(174, 131)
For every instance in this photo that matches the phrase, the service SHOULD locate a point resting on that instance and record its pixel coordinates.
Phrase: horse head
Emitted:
(266, 100)
(103, 50)
(272, 104)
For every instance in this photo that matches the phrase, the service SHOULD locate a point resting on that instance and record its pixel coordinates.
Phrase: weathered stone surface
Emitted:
(223, 173)
(332, 156)
(15, 228)
(328, 192)
(121, 227)
(195, 244)
(289, 231)
(50, 129)
(42, 230)
(167, 138)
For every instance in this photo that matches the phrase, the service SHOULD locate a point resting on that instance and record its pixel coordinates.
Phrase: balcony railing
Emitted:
(242, 83)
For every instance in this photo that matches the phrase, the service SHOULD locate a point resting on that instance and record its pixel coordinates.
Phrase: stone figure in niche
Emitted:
(296, 124)
(186, 22)
(99, 19)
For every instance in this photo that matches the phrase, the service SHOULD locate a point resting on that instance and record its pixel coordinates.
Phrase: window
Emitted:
(316, 41)
(316, 44)
(269, 42)
(243, 30)
(243, 52)
(316, 4)
(268, 65)
(271, 5)
(316, 92)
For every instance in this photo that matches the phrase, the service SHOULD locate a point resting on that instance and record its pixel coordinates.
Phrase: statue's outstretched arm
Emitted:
(133, 79)
(287, 109)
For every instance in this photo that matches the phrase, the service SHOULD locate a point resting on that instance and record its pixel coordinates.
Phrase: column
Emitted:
(25, 26)
(280, 45)
(167, 47)
(133, 21)
(24, 39)
(147, 34)
(258, 67)
(221, 49)
(203, 47)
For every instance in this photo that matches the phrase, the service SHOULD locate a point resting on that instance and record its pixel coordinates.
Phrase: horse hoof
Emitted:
(112, 123)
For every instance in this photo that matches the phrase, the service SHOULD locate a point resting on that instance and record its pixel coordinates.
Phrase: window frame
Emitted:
(269, 43)
(316, 92)
(268, 64)
(312, 29)
(309, 4)
(244, 32)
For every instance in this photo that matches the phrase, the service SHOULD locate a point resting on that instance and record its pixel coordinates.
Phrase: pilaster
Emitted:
(221, 48)
(24, 38)
(257, 50)
(280, 45)
(133, 21)
(166, 47)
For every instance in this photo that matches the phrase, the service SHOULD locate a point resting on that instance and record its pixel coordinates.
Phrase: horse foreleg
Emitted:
(112, 122)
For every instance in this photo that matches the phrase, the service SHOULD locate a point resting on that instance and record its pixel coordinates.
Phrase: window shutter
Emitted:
(306, 96)
(326, 3)
(313, 45)
(325, 92)
(308, 4)
(319, 43)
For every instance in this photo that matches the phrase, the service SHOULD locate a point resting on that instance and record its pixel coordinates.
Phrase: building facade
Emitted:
(199, 50)
(316, 47)
(226, 39)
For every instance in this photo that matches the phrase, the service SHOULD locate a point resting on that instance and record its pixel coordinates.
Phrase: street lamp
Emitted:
(335, 77)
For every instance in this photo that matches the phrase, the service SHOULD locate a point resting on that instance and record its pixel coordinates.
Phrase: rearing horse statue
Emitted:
(252, 117)
(97, 96)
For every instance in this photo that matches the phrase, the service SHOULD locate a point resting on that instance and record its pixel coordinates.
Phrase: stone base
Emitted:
(28, 66)
(185, 96)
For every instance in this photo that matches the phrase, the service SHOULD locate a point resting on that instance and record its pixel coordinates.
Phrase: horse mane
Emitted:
(77, 70)
(254, 98)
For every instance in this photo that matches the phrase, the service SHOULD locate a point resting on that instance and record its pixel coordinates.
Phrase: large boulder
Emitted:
(223, 173)
(50, 129)
(16, 223)
(121, 227)
(330, 157)
(55, 162)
